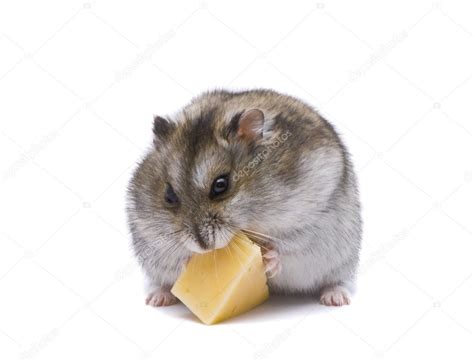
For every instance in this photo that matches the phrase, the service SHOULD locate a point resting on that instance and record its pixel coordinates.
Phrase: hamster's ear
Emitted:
(162, 128)
(248, 125)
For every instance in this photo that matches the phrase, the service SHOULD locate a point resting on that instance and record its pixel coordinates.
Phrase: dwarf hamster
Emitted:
(254, 161)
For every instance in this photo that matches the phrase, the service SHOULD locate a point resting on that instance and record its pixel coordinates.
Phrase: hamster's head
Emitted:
(200, 183)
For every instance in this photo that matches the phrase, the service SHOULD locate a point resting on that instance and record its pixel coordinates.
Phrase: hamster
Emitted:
(259, 162)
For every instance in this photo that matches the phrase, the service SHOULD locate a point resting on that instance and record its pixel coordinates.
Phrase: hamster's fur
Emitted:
(291, 187)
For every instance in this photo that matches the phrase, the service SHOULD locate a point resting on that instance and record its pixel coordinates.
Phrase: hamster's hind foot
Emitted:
(161, 297)
(335, 296)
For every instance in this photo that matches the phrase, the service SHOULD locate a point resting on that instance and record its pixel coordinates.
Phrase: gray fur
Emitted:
(296, 185)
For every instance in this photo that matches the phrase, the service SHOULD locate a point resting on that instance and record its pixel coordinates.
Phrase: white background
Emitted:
(79, 84)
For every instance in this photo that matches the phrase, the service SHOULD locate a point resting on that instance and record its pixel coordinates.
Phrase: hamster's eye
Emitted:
(170, 195)
(220, 185)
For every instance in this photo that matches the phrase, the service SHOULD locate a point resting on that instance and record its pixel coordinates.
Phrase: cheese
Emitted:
(223, 283)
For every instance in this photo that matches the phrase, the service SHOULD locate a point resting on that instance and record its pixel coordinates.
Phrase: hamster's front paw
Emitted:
(335, 296)
(161, 297)
(271, 260)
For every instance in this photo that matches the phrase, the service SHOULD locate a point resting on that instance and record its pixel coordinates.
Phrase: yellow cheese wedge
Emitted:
(223, 283)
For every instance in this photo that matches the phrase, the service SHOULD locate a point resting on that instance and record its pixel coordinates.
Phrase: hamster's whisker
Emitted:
(232, 230)
(263, 236)
(230, 233)
(215, 265)
(235, 245)
(171, 245)
(175, 232)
